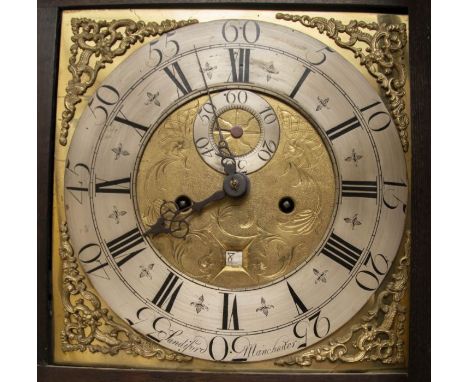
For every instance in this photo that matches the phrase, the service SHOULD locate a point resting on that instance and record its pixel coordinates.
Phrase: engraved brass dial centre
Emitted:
(269, 243)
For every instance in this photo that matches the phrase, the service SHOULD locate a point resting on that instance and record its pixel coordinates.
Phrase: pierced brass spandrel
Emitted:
(383, 57)
(97, 43)
(380, 334)
(90, 327)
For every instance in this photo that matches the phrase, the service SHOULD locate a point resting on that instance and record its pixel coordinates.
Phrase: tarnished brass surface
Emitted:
(273, 243)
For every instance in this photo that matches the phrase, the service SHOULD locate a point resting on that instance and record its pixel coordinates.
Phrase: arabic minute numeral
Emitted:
(107, 95)
(391, 200)
(323, 57)
(219, 348)
(268, 148)
(81, 174)
(268, 115)
(204, 146)
(248, 31)
(170, 49)
(368, 279)
(353, 123)
(320, 326)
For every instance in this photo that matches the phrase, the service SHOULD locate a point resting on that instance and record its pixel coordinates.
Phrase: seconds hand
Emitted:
(223, 145)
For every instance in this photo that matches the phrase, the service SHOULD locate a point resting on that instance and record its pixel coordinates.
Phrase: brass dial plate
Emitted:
(151, 15)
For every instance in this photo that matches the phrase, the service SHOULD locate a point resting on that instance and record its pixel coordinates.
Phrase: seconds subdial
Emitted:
(248, 124)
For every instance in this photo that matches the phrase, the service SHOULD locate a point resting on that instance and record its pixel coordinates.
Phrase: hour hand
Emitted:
(174, 220)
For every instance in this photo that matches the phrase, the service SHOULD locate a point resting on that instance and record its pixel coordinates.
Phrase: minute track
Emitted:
(248, 299)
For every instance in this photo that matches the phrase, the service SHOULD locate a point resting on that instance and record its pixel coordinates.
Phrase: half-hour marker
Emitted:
(145, 271)
(119, 151)
(300, 306)
(300, 82)
(230, 316)
(152, 98)
(240, 64)
(353, 221)
(179, 79)
(199, 304)
(322, 104)
(167, 293)
(359, 189)
(354, 157)
(341, 251)
(264, 307)
(116, 214)
(208, 69)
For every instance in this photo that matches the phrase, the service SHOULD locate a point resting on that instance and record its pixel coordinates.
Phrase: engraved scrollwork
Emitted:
(97, 43)
(89, 326)
(272, 243)
(383, 56)
(379, 335)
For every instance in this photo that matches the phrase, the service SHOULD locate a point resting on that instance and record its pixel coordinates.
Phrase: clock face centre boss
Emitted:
(235, 190)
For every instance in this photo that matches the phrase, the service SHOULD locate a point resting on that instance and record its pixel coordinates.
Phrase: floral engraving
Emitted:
(264, 308)
(118, 151)
(199, 304)
(116, 214)
(353, 221)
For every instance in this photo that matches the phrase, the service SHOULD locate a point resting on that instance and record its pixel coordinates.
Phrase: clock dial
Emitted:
(319, 174)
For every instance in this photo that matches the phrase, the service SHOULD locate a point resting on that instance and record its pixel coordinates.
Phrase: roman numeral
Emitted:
(348, 125)
(168, 292)
(300, 82)
(343, 128)
(359, 189)
(181, 82)
(120, 247)
(230, 316)
(300, 306)
(123, 119)
(107, 186)
(240, 64)
(341, 251)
